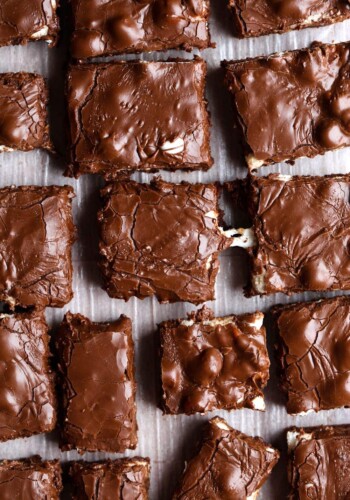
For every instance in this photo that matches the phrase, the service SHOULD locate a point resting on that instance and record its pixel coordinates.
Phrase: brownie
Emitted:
(161, 239)
(36, 237)
(228, 465)
(263, 17)
(292, 104)
(30, 479)
(138, 115)
(212, 363)
(97, 384)
(122, 479)
(126, 26)
(319, 463)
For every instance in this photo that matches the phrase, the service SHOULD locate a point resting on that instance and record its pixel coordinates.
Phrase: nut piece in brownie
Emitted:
(126, 478)
(31, 479)
(292, 104)
(319, 462)
(161, 239)
(126, 26)
(229, 465)
(97, 384)
(23, 21)
(36, 236)
(263, 17)
(212, 363)
(138, 115)
(23, 122)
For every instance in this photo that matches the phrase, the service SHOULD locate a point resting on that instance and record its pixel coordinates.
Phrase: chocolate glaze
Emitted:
(96, 365)
(122, 26)
(292, 104)
(161, 239)
(229, 465)
(138, 115)
(213, 363)
(125, 479)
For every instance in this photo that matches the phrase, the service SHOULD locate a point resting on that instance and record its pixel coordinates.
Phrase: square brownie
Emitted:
(97, 384)
(161, 239)
(127, 478)
(229, 464)
(36, 236)
(292, 104)
(23, 122)
(138, 115)
(126, 26)
(212, 363)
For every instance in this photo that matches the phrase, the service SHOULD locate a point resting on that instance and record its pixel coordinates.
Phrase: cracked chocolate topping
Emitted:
(229, 465)
(122, 26)
(138, 115)
(292, 104)
(96, 363)
(161, 239)
(213, 363)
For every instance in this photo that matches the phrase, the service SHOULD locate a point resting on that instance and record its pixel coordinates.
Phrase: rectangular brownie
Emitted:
(123, 26)
(138, 115)
(97, 384)
(292, 104)
(161, 239)
(127, 478)
(229, 464)
(212, 363)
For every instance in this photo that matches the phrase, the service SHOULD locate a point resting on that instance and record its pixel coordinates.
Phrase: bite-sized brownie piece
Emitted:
(263, 17)
(138, 115)
(292, 104)
(97, 381)
(23, 121)
(229, 465)
(161, 239)
(30, 479)
(126, 478)
(126, 26)
(319, 463)
(212, 363)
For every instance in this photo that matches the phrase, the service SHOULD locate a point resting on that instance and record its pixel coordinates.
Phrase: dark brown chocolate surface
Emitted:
(212, 363)
(292, 104)
(122, 26)
(36, 237)
(125, 479)
(262, 17)
(22, 21)
(96, 365)
(23, 120)
(319, 466)
(161, 239)
(136, 115)
(229, 465)
(30, 479)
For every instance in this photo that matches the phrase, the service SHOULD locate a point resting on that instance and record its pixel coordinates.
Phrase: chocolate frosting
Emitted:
(209, 364)
(36, 237)
(96, 363)
(138, 115)
(121, 26)
(161, 239)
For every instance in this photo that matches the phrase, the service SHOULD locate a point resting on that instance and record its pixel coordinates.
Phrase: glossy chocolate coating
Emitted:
(136, 115)
(160, 239)
(122, 26)
(229, 465)
(96, 365)
(125, 479)
(36, 237)
(292, 104)
(209, 364)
